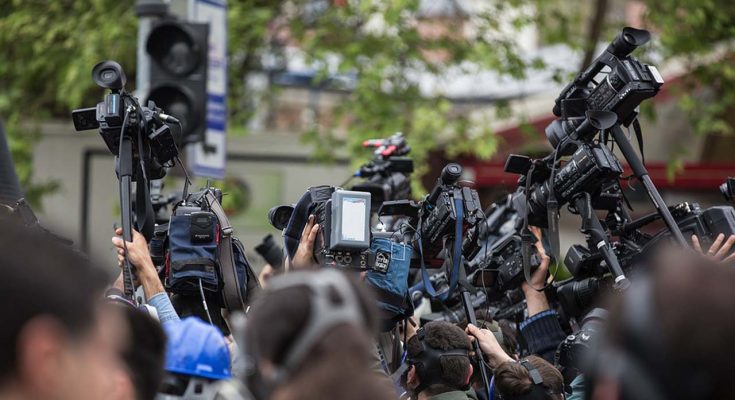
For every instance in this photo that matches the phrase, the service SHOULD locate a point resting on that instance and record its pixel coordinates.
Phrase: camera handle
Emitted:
(125, 176)
(597, 239)
(640, 171)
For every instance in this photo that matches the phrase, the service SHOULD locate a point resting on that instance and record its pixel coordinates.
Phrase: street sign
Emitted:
(207, 159)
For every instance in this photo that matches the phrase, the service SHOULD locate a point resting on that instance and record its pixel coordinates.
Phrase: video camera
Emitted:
(141, 142)
(387, 174)
(121, 114)
(625, 84)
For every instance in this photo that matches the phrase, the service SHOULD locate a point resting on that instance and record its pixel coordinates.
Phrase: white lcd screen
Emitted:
(353, 218)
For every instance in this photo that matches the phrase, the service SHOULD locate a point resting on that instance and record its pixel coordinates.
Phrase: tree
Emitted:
(47, 50)
(702, 34)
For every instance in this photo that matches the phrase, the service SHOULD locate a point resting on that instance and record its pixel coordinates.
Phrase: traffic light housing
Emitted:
(178, 74)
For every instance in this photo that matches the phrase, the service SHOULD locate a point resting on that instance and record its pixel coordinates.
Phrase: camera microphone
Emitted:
(168, 118)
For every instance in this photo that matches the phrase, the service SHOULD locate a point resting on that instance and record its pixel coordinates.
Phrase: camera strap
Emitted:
(231, 293)
(639, 138)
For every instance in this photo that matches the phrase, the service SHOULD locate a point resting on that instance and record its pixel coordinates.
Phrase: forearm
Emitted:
(542, 334)
(495, 359)
(162, 304)
(149, 279)
(536, 302)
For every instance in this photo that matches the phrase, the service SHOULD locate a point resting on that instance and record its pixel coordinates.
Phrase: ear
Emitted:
(412, 380)
(40, 349)
(470, 371)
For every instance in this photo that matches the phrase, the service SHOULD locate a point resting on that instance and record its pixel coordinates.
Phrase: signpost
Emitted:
(207, 159)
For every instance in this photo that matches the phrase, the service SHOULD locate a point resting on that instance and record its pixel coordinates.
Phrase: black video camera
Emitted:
(271, 252)
(589, 168)
(502, 270)
(121, 113)
(387, 174)
(625, 84)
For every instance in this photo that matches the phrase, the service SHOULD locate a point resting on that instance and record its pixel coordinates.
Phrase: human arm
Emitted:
(536, 301)
(140, 258)
(541, 331)
(489, 345)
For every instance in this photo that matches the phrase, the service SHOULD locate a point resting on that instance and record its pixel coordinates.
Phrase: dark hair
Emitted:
(187, 305)
(685, 346)
(337, 366)
(42, 277)
(442, 335)
(513, 379)
(144, 353)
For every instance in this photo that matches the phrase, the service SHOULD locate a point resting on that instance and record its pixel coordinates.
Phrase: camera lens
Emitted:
(279, 216)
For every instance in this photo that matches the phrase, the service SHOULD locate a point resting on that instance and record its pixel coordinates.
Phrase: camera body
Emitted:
(344, 225)
(572, 353)
(271, 252)
(506, 264)
(706, 224)
(627, 83)
(387, 179)
(387, 174)
(587, 171)
(121, 114)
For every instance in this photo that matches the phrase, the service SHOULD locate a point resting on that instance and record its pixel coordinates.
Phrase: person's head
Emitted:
(438, 359)
(670, 335)
(531, 378)
(55, 341)
(197, 357)
(308, 336)
(187, 305)
(142, 354)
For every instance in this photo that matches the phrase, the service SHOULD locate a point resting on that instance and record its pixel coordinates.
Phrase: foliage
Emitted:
(385, 45)
(48, 49)
(701, 33)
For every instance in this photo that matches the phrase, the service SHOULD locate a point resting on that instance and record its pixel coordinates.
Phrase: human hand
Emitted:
(265, 274)
(538, 277)
(304, 257)
(137, 251)
(719, 250)
(140, 258)
(488, 344)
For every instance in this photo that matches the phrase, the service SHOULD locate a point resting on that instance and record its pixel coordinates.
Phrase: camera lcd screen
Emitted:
(353, 218)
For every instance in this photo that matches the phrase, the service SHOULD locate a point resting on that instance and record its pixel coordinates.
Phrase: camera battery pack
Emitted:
(202, 228)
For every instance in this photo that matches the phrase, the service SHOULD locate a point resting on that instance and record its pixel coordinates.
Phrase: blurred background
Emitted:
(292, 88)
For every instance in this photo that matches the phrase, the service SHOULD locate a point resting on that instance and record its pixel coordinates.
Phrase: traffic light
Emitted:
(178, 74)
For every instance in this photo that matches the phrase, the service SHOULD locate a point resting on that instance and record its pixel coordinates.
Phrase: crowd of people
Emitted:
(68, 332)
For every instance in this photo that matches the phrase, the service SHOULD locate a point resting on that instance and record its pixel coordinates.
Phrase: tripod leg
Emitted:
(639, 170)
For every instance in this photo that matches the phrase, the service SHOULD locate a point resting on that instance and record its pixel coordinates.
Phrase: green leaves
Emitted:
(48, 50)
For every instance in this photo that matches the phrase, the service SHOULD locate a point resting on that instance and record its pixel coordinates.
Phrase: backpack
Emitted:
(204, 254)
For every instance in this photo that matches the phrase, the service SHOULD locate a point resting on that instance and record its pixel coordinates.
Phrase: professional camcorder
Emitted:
(141, 142)
(387, 175)
(120, 114)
